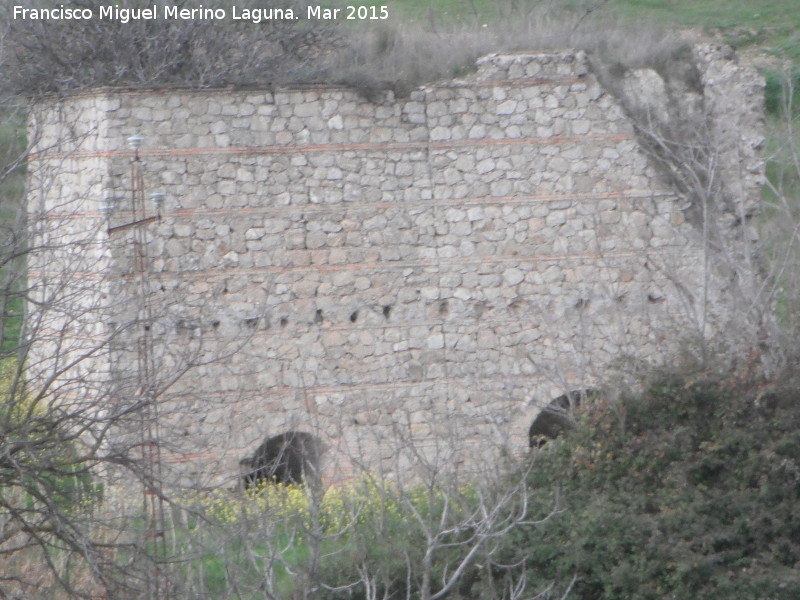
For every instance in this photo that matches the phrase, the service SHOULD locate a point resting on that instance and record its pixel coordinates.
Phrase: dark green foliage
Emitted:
(689, 490)
(13, 144)
(388, 540)
(781, 92)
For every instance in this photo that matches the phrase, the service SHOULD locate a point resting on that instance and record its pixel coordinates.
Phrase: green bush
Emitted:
(40, 470)
(689, 490)
(781, 91)
(388, 537)
(356, 537)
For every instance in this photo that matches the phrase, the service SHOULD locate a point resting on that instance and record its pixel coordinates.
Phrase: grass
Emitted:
(773, 25)
(247, 565)
(430, 40)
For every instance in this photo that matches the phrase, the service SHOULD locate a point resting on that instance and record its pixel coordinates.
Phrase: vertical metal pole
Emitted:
(153, 499)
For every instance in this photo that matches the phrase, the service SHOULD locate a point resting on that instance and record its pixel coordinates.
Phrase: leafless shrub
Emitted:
(416, 529)
(62, 56)
(706, 144)
(402, 55)
(81, 485)
(49, 56)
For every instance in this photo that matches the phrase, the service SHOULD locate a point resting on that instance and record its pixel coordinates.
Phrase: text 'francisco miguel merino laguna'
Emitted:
(200, 13)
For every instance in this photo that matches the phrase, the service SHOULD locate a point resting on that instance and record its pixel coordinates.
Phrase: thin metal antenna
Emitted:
(150, 442)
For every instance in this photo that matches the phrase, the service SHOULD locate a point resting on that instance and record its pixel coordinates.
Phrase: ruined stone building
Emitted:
(384, 275)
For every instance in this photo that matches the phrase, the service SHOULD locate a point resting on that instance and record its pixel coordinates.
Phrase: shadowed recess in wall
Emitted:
(558, 416)
(288, 458)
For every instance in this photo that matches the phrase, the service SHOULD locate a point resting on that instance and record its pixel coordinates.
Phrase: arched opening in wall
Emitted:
(288, 458)
(557, 417)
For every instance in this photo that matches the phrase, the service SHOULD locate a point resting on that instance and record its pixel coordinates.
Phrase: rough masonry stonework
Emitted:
(407, 271)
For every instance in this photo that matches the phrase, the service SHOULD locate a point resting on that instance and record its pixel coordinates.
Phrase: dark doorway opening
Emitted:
(288, 458)
(557, 417)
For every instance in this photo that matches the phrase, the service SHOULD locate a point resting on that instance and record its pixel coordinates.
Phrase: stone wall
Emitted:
(415, 270)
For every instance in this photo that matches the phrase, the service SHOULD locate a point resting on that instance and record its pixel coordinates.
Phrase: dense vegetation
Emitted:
(688, 490)
(422, 40)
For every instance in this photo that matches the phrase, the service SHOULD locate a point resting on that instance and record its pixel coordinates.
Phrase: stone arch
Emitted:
(292, 457)
(557, 417)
